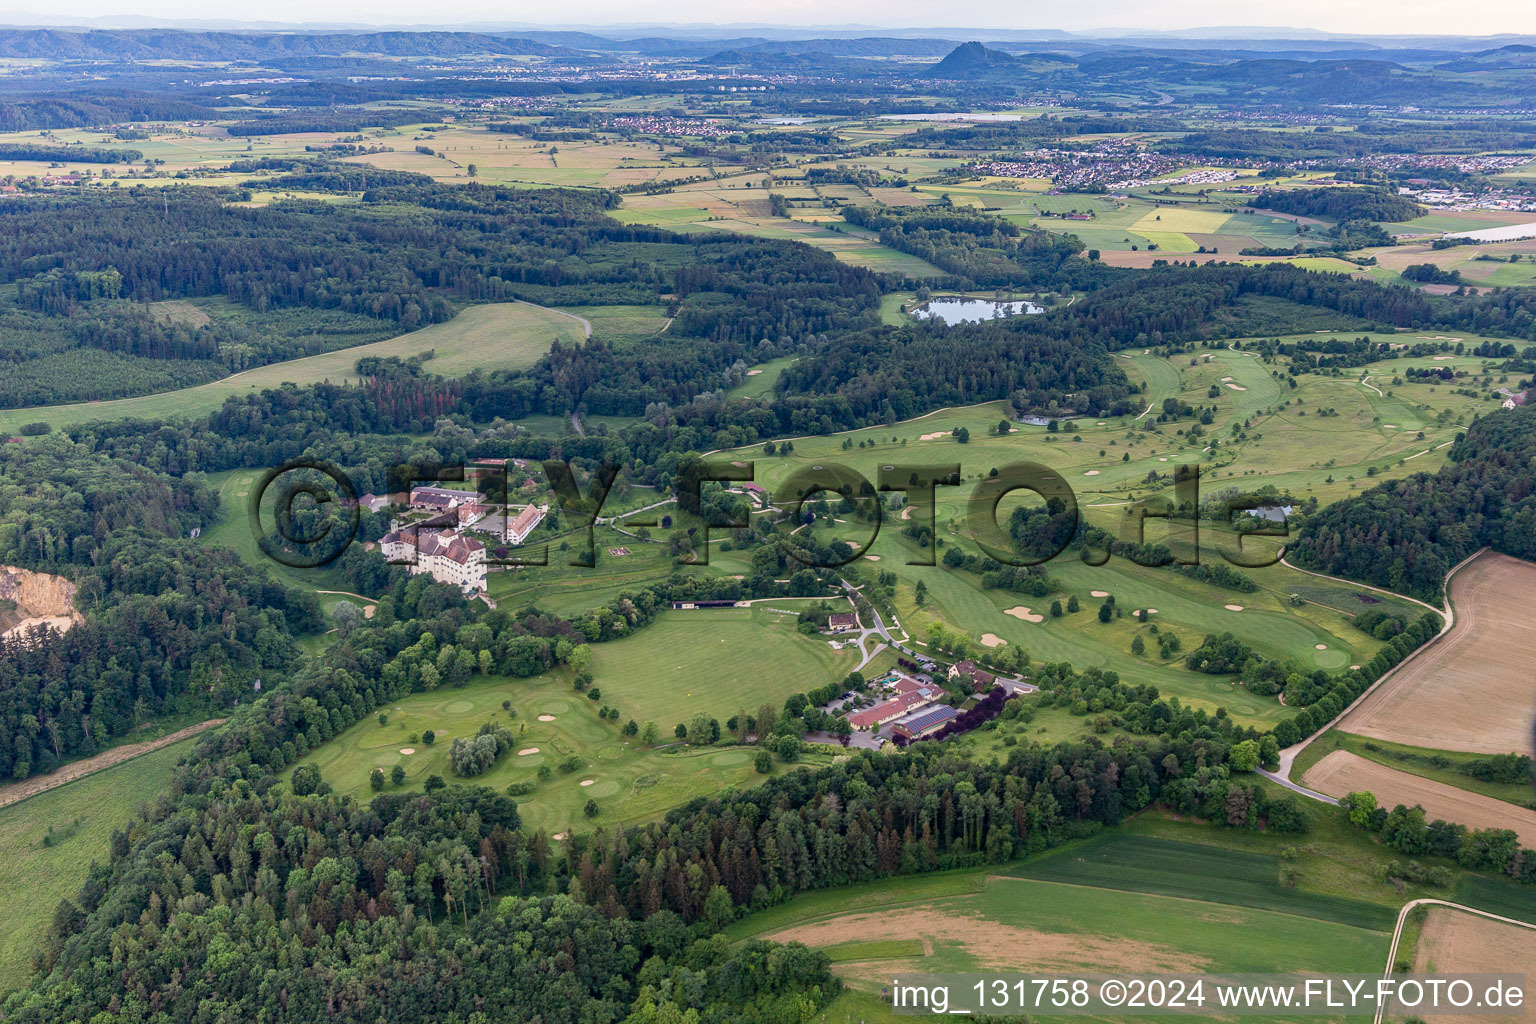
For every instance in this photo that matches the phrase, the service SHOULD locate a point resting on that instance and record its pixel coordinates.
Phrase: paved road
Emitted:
(1313, 794)
(1448, 613)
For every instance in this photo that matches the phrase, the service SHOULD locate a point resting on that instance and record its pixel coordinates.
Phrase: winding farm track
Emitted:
(90, 765)
(1402, 919)
(1289, 754)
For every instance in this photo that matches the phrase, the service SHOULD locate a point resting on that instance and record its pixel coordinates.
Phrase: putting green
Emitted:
(730, 757)
(458, 707)
(553, 707)
(1330, 659)
(607, 787)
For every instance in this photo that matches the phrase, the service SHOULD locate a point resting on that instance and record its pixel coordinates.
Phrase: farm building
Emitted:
(925, 721)
(441, 499)
(894, 708)
(842, 622)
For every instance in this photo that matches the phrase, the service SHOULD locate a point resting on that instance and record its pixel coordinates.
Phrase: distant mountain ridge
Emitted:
(174, 44)
(972, 60)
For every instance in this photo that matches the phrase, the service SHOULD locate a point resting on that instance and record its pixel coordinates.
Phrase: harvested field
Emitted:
(1342, 772)
(1454, 941)
(1473, 689)
(994, 945)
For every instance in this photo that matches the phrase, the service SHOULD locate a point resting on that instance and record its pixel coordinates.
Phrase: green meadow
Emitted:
(38, 869)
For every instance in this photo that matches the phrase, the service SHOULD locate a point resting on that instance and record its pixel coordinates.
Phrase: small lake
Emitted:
(972, 311)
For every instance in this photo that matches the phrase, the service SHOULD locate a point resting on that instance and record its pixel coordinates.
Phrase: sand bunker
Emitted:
(1091, 472)
(1236, 387)
(934, 436)
(1162, 458)
(1233, 607)
(1322, 647)
(587, 782)
(753, 373)
(1389, 426)
(546, 718)
(1439, 358)
(992, 640)
(1225, 379)
(873, 558)
(1151, 611)
(560, 835)
(1024, 613)
(1098, 593)
(1354, 668)
(407, 750)
(527, 750)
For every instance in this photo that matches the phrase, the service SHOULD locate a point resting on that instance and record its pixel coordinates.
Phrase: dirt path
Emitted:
(90, 765)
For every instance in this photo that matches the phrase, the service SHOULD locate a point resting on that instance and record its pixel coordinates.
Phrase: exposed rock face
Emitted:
(30, 599)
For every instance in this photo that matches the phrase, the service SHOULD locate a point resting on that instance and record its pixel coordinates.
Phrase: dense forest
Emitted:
(1407, 534)
(1341, 204)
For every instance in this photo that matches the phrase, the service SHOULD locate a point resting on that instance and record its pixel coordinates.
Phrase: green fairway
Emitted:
(715, 661)
(492, 336)
(629, 782)
(36, 872)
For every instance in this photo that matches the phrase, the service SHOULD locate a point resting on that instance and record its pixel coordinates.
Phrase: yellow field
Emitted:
(1179, 218)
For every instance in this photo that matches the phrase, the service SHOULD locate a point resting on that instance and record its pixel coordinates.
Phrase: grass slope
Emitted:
(35, 876)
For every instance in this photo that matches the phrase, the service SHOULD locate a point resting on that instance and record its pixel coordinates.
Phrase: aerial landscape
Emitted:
(693, 516)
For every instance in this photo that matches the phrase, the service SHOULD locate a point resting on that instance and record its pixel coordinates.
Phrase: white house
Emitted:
(445, 556)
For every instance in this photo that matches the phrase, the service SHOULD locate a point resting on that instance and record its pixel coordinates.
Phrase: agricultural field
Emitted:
(1449, 767)
(1453, 941)
(491, 336)
(1122, 902)
(1341, 772)
(551, 722)
(1472, 690)
(49, 841)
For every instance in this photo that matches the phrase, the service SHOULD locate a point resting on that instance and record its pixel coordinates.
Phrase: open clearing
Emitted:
(1473, 690)
(1453, 941)
(36, 873)
(492, 336)
(713, 661)
(1342, 772)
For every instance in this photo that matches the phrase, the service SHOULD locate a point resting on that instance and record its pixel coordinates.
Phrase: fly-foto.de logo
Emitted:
(306, 513)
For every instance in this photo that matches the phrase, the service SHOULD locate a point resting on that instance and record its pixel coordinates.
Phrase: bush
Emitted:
(397, 775)
(429, 737)
(591, 809)
(763, 762)
(376, 779)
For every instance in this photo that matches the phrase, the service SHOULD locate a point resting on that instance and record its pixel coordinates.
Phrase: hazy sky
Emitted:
(1394, 17)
